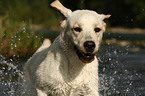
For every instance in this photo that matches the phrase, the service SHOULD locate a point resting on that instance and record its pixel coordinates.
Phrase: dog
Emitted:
(68, 66)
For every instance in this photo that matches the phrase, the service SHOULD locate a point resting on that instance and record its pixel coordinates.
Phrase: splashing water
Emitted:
(11, 78)
(120, 74)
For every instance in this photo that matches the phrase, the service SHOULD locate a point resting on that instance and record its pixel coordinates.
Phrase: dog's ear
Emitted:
(66, 12)
(104, 26)
(63, 24)
(105, 16)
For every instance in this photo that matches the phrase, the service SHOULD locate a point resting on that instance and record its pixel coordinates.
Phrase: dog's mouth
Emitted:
(85, 57)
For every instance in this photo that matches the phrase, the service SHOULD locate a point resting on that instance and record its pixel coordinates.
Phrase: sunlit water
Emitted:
(122, 73)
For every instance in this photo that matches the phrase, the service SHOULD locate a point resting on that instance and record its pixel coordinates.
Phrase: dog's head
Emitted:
(84, 28)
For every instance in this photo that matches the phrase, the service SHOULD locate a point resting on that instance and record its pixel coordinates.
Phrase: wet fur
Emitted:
(56, 69)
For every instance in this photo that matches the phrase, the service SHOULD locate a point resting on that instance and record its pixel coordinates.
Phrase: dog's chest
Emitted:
(82, 78)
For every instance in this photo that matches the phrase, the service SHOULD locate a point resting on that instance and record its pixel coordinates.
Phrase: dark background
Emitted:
(125, 13)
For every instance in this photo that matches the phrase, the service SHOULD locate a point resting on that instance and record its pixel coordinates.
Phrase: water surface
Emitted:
(121, 72)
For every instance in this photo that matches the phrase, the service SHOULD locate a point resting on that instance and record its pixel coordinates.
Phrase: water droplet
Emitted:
(3, 67)
(11, 59)
(15, 45)
(131, 20)
(103, 69)
(116, 61)
(115, 52)
(127, 89)
(115, 72)
(24, 29)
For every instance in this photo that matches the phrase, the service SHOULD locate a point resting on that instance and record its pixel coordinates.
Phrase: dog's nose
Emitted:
(89, 46)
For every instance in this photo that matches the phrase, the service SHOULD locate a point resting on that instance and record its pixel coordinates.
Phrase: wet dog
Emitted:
(68, 67)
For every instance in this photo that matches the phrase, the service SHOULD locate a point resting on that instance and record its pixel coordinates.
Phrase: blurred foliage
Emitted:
(17, 39)
(34, 11)
(126, 13)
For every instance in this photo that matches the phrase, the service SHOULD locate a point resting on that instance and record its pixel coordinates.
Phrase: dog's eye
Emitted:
(97, 29)
(78, 29)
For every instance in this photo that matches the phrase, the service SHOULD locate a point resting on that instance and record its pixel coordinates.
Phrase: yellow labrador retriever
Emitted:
(68, 67)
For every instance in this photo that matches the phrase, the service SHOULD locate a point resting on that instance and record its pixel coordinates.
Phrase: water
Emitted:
(11, 78)
(121, 71)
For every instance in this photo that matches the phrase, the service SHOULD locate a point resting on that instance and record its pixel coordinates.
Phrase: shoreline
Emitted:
(112, 36)
(123, 30)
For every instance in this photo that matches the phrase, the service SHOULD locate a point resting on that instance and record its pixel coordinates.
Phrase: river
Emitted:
(121, 73)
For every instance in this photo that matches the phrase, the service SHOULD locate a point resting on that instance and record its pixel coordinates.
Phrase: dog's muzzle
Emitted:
(87, 56)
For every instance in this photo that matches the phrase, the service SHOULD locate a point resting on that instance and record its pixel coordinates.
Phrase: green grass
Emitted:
(17, 39)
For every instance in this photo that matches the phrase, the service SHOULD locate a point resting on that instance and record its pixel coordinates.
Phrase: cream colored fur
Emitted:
(56, 70)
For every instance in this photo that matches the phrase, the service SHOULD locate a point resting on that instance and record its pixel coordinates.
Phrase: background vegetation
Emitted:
(127, 13)
(19, 19)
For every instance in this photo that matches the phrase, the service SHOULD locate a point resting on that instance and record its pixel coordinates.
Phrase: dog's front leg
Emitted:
(40, 93)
